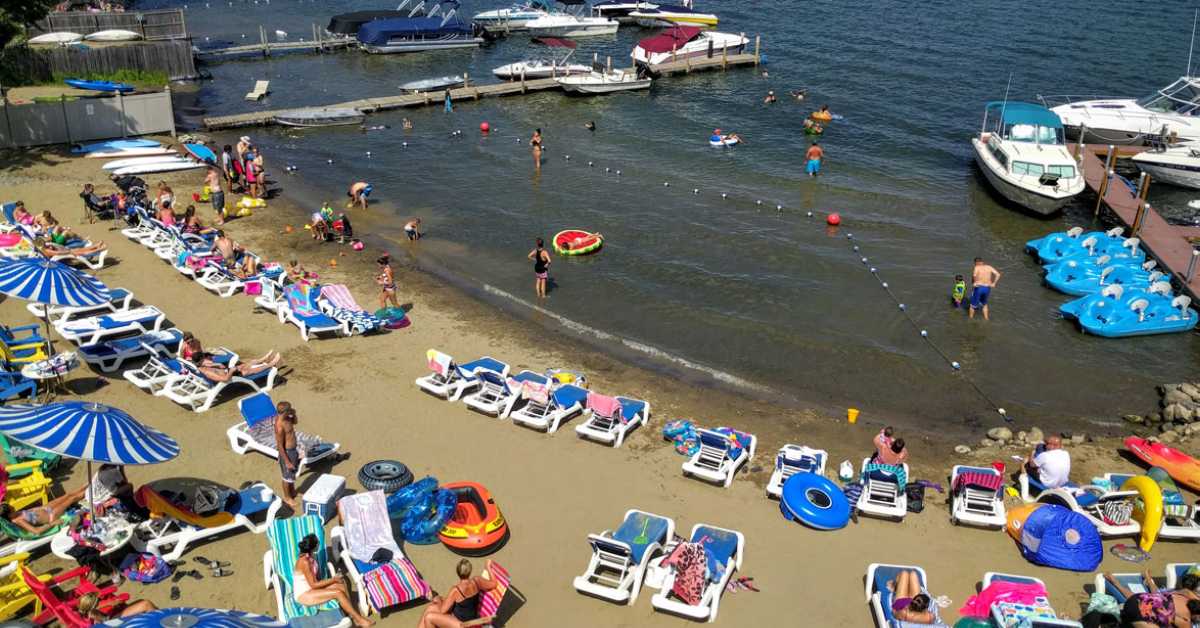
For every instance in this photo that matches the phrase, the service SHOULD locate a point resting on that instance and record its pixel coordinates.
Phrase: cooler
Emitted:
(321, 498)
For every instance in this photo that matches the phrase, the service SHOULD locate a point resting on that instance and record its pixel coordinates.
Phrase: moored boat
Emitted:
(601, 82)
(1022, 154)
(1177, 165)
(315, 117)
(683, 42)
(667, 15)
(544, 68)
(419, 33)
(1169, 112)
(619, 10)
(513, 18)
(432, 84)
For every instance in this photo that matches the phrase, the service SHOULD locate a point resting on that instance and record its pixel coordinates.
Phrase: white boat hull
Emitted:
(512, 71)
(1123, 122)
(593, 84)
(1042, 203)
(578, 30)
(658, 19)
(507, 20)
(425, 45)
(1176, 166)
(56, 38)
(695, 49)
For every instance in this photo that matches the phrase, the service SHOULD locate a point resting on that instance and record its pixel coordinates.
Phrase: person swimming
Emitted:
(591, 126)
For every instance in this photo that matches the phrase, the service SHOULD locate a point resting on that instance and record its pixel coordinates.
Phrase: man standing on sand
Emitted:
(289, 454)
(813, 159)
(216, 193)
(983, 279)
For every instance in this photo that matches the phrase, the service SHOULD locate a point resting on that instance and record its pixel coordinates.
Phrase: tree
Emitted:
(15, 14)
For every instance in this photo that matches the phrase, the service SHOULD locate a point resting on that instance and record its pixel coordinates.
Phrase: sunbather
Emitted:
(89, 603)
(310, 591)
(218, 372)
(38, 519)
(908, 602)
(461, 605)
(192, 224)
(50, 249)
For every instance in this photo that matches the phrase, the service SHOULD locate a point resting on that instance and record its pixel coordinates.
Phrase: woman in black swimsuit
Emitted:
(460, 605)
(536, 143)
(541, 267)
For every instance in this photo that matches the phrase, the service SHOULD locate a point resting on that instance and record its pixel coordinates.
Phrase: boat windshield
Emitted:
(1181, 97)
(1023, 122)
(1033, 133)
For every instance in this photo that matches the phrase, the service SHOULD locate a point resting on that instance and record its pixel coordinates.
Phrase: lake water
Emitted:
(769, 298)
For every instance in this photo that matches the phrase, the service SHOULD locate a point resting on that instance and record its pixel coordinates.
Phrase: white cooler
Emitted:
(321, 498)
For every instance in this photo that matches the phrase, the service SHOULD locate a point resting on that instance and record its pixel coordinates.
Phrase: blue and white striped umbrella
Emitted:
(87, 431)
(195, 618)
(42, 281)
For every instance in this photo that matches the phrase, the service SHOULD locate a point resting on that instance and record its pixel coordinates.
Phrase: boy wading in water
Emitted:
(983, 279)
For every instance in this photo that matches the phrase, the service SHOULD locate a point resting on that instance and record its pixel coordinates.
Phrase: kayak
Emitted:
(1184, 468)
(99, 86)
(148, 151)
(56, 38)
(115, 145)
(147, 160)
(577, 242)
(201, 152)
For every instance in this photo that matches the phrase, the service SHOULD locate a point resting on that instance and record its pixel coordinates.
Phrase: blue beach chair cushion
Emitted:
(132, 346)
(490, 364)
(630, 408)
(719, 548)
(568, 395)
(639, 530)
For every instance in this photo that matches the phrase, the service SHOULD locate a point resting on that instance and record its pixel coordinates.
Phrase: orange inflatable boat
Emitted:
(1182, 467)
(477, 527)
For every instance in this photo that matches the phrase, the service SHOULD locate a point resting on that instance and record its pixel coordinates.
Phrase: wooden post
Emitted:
(466, 80)
(1191, 271)
(724, 57)
(1143, 189)
(1138, 218)
(608, 65)
(183, 23)
(757, 57)
(262, 33)
(523, 78)
(1108, 173)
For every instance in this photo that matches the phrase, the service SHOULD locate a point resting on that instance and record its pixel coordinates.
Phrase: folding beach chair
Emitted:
(545, 409)
(719, 457)
(14, 385)
(279, 565)
(65, 609)
(976, 496)
(256, 432)
(89, 331)
(15, 594)
(619, 559)
(175, 527)
(723, 550)
(449, 380)
(793, 459)
(366, 529)
(611, 419)
(297, 308)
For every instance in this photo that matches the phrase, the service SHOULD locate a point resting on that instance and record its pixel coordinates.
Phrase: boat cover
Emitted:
(378, 32)
(349, 23)
(1025, 113)
(671, 39)
(557, 42)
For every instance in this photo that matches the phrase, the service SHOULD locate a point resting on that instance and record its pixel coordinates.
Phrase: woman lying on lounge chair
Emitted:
(38, 519)
(908, 602)
(461, 605)
(50, 249)
(219, 372)
(310, 591)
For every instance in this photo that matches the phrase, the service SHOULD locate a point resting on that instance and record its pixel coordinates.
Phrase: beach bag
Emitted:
(145, 568)
(916, 497)
(676, 427)
(253, 288)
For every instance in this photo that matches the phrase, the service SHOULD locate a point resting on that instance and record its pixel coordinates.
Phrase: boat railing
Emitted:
(1052, 101)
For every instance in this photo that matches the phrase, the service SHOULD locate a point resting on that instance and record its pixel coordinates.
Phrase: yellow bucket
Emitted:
(852, 415)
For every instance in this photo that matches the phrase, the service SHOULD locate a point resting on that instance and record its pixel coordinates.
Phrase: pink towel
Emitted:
(979, 606)
(603, 405)
(339, 295)
(535, 392)
(438, 362)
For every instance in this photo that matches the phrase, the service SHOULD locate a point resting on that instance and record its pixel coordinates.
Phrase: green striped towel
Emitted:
(283, 536)
(17, 533)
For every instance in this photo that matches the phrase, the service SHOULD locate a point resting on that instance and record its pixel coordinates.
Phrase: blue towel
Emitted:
(719, 548)
(640, 526)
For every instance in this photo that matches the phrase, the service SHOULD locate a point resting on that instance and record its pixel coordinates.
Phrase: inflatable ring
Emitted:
(564, 242)
(1148, 508)
(725, 141)
(427, 516)
(821, 117)
(477, 527)
(399, 503)
(815, 501)
(388, 476)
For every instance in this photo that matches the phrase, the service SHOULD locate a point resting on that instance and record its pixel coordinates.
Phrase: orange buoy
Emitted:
(834, 219)
(484, 127)
(287, 229)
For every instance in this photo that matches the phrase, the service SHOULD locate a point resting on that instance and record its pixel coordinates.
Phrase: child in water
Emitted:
(960, 291)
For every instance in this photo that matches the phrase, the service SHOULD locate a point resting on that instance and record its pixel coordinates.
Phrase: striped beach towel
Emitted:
(489, 601)
(283, 536)
(394, 583)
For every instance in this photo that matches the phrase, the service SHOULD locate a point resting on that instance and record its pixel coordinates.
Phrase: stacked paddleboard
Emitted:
(129, 157)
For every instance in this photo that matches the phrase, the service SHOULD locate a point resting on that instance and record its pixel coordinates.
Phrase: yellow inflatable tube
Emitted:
(1147, 509)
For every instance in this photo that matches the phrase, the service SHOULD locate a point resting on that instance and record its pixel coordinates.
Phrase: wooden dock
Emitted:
(264, 47)
(1170, 244)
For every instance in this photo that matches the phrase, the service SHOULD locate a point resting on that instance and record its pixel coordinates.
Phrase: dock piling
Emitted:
(757, 56)
(266, 46)
(1108, 175)
(1191, 271)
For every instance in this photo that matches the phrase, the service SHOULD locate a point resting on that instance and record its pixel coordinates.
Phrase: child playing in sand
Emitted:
(960, 291)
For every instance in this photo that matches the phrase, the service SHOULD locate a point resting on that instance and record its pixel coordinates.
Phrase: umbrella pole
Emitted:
(46, 320)
(91, 504)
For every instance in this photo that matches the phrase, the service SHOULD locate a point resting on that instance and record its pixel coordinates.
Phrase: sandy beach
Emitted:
(553, 490)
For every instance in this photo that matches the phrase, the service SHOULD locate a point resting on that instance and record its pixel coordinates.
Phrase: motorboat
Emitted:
(1170, 112)
(544, 68)
(603, 82)
(1022, 152)
(619, 10)
(1054, 247)
(1177, 165)
(417, 33)
(683, 42)
(314, 117)
(667, 15)
(513, 18)
(433, 84)
(569, 25)
(347, 24)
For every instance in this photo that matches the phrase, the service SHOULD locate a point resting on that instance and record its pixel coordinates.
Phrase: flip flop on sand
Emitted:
(174, 593)
(221, 573)
(211, 564)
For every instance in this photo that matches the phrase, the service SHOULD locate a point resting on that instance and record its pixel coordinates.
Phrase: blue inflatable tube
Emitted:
(399, 503)
(815, 501)
(428, 516)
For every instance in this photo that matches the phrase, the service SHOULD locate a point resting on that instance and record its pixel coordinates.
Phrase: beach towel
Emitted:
(989, 481)
(980, 605)
(263, 433)
(740, 440)
(339, 295)
(439, 362)
(365, 520)
(690, 563)
(896, 470)
(394, 583)
(299, 302)
(489, 601)
(603, 405)
(535, 392)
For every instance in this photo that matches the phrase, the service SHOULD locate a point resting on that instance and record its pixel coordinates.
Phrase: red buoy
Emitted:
(484, 127)
(834, 219)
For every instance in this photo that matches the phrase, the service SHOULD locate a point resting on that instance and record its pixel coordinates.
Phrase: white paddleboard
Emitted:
(113, 34)
(56, 38)
(163, 167)
(144, 161)
(130, 152)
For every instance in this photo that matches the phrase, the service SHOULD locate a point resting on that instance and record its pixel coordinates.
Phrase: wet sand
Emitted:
(553, 490)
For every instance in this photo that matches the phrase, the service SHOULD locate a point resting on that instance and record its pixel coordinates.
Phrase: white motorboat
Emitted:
(619, 10)
(599, 82)
(313, 117)
(61, 39)
(567, 25)
(682, 42)
(667, 15)
(113, 34)
(513, 18)
(1022, 152)
(433, 84)
(544, 68)
(1177, 165)
(1171, 111)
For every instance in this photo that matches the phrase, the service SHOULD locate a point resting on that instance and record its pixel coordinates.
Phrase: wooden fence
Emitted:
(152, 25)
(84, 119)
(25, 65)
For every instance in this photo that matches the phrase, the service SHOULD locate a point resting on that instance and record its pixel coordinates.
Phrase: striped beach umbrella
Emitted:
(185, 617)
(87, 431)
(42, 281)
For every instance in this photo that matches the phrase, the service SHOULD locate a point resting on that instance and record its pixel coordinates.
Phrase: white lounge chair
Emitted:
(716, 461)
(122, 300)
(726, 548)
(880, 597)
(92, 261)
(256, 432)
(882, 494)
(163, 368)
(606, 425)
(260, 89)
(110, 355)
(89, 331)
(365, 530)
(618, 564)
(197, 392)
(1110, 511)
(271, 297)
(449, 380)
(279, 565)
(1175, 571)
(497, 394)
(217, 278)
(297, 308)
(174, 527)
(143, 229)
(976, 497)
(793, 459)
(547, 409)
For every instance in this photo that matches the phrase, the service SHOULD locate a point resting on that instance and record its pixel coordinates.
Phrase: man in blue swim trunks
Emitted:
(812, 159)
(358, 194)
(983, 279)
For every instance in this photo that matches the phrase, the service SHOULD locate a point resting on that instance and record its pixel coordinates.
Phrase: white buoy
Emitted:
(567, 157)
(902, 308)
(924, 334)
(864, 260)
(329, 161)
(243, 34)
(590, 164)
(855, 248)
(618, 173)
(849, 236)
(723, 195)
(404, 143)
(608, 169)
(758, 202)
(1000, 410)
(884, 284)
(695, 190)
(666, 184)
(206, 38)
(779, 207)
(873, 270)
(368, 153)
(956, 365)
(810, 214)
(518, 140)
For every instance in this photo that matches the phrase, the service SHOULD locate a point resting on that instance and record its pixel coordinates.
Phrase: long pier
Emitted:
(1171, 245)
(265, 47)
(468, 92)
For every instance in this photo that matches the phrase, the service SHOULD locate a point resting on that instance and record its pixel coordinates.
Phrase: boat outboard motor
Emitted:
(1048, 179)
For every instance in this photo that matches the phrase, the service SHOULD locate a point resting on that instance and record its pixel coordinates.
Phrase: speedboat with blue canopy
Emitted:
(417, 33)
(1055, 246)
(1115, 297)
(1022, 152)
(1142, 315)
(1075, 278)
